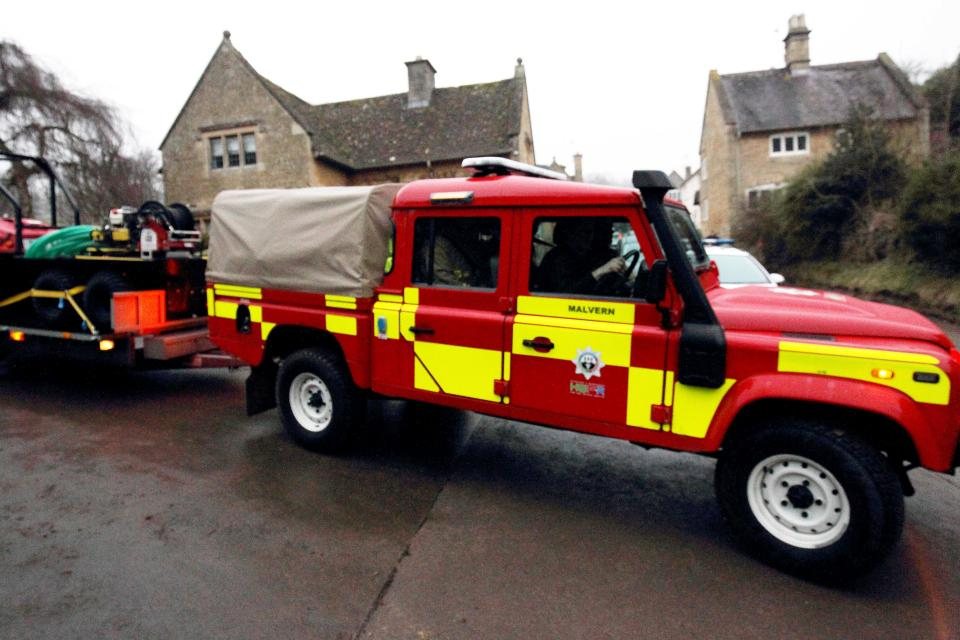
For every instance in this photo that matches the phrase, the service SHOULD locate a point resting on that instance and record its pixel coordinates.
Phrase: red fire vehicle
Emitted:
(504, 294)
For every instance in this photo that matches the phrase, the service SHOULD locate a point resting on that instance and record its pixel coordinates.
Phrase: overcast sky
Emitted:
(623, 83)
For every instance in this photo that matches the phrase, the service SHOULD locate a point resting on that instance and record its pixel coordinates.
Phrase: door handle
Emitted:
(427, 331)
(540, 344)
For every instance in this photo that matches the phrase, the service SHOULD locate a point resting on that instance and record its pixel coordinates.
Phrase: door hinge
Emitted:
(501, 388)
(661, 414)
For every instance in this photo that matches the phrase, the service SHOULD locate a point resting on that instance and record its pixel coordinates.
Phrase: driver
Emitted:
(581, 257)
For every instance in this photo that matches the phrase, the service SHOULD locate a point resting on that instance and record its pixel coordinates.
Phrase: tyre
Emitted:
(99, 294)
(181, 216)
(318, 402)
(810, 499)
(54, 312)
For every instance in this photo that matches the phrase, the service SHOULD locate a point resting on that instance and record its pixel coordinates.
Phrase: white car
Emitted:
(739, 269)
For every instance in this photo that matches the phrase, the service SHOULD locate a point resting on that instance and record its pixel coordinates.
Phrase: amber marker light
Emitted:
(18, 336)
(882, 374)
(106, 345)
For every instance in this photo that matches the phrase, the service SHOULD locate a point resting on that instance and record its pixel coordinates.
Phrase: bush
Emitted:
(829, 207)
(930, 213)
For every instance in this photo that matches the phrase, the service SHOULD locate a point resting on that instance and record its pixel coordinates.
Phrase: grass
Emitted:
(893, 280)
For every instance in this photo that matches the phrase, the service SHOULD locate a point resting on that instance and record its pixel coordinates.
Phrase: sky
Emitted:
(623, 83)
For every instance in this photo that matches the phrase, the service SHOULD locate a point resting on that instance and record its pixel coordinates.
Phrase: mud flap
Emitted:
(260, 392)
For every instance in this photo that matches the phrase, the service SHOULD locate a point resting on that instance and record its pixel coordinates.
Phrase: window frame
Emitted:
(788, 138)
(222, 137)
(533, 218)
(499, 278)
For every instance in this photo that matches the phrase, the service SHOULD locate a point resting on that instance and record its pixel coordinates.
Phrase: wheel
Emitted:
(99, 294)
(317, 400)
(54, 312)
(810, 499)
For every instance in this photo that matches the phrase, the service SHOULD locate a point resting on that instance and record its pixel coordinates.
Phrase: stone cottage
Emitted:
(761, 127)
(239, 130)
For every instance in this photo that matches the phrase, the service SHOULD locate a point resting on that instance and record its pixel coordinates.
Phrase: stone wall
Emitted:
(718, 155)
(230, 99)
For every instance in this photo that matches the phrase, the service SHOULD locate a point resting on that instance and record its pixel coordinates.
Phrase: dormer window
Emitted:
(790, 144)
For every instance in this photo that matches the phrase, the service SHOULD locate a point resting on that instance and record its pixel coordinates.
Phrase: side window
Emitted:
(456, 252)
(591, 256)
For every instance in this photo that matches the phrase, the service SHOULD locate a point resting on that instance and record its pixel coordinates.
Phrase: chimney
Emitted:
(796, 50)
(420, 76)
(577, 167)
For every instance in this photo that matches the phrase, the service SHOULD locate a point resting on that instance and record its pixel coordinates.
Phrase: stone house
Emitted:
(761, 127)
(239, 130)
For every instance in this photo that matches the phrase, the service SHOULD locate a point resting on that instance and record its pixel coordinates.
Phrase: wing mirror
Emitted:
(776, 278)
(657, 282)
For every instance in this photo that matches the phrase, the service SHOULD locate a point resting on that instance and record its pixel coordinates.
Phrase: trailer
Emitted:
(130, 292)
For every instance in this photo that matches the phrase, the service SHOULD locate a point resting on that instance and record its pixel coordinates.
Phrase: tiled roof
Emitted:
(825, 95)
(372, 133)
(474, 120)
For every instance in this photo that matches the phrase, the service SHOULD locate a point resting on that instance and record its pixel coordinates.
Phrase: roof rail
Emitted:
(492, 165)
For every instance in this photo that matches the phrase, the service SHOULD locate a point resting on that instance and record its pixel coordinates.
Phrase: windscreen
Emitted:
(689, 237)
(739, 270)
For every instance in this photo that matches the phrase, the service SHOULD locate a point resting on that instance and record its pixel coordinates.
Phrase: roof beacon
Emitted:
(494, 166)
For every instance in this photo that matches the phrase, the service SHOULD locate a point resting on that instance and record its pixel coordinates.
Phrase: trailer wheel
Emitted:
(98, 296)
(811, 499)
(317, 399)
(54, 312)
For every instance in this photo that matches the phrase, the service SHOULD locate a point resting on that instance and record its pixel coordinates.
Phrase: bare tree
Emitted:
(79, 135)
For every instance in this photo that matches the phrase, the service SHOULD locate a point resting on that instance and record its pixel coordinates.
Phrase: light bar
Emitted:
(451, 197)
(503, 166)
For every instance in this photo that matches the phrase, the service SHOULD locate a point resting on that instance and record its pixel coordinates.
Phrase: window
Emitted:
(574, 255)
(762, 195)
(456, 252)
(233, 150)
(216, 153)
(249, 148)
(704, 211)
(789, 144)
(703, 169)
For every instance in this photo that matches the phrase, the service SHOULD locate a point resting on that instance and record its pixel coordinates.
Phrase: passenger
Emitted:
(581, 257)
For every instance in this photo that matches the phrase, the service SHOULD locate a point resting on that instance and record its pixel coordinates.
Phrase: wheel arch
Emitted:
(282, 341)
(884, 416)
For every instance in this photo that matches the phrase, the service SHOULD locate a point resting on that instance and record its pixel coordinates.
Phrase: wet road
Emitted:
(149, 506)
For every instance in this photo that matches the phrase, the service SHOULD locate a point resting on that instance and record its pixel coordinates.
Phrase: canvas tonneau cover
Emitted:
(331, 240)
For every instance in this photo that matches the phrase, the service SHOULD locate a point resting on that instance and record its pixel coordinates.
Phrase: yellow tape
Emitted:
(586, 325)
(266, 328)
(389, 297)
(346, 325)
(614, 348)
(341, 302)
(856, 352)
(858, 364)
(644, 389)
(224, 309)
(236, 291)
(694, 407)
(462, 371)
(411, 295)
(577, 309)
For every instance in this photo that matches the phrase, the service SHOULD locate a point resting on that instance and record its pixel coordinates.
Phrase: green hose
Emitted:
(62, 243)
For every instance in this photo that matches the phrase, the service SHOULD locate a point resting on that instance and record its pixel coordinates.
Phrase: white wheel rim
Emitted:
(311, 402)
(798, 501)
